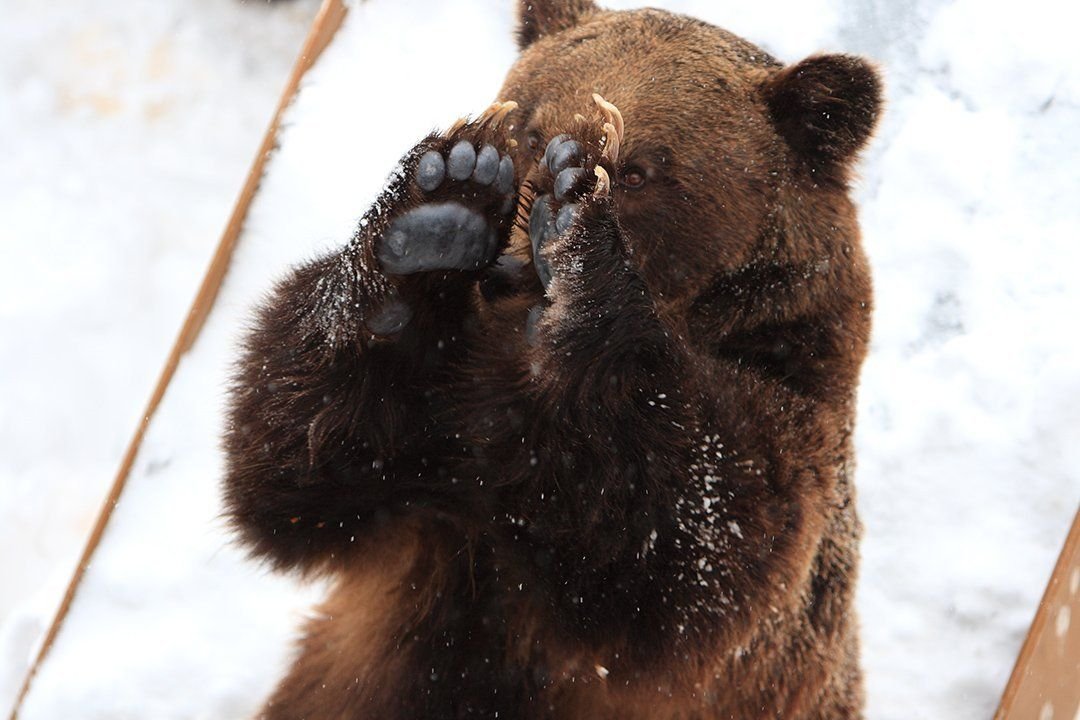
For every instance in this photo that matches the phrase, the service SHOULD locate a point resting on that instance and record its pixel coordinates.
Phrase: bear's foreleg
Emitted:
(663, 514)
(331, 425)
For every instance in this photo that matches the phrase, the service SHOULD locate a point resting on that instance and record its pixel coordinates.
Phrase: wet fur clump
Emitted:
(569, 419)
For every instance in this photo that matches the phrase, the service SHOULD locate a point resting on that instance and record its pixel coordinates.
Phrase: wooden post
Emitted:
(1045, 683)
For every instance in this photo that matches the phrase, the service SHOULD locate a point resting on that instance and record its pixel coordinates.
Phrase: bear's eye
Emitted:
(533, 140)
(633, 177)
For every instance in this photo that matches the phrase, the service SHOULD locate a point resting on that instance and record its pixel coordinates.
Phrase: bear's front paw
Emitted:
(462, 193)
(573, 169)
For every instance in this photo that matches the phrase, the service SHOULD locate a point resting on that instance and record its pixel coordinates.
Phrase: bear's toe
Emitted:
(568, 182)
(504, 181)
(552, 147)
(430, 171)
(461, 161)
(487, 166)
(566, 154)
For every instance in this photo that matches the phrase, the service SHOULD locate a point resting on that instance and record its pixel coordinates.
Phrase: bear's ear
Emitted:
(537, 18)
(826, 107)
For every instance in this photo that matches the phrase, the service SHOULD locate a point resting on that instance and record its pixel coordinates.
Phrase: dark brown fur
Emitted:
(646, 511)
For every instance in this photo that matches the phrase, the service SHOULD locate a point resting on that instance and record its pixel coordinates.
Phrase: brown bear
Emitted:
(569, 419)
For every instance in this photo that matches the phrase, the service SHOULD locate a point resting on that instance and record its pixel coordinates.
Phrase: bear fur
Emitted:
(592, 463)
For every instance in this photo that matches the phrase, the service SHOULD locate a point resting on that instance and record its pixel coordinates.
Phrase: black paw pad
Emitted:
(541, 230)
(568, 181)
(567, 214)
(391, 318)
(462, 161)
(438, 236)
(504, 181)
(564, 159)
(486, 168)
(545, 224)
(561, 153)
(430, 171)
(468, 195)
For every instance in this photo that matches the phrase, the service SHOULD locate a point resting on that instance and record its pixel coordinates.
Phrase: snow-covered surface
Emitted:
(125, 131)
(969, 470)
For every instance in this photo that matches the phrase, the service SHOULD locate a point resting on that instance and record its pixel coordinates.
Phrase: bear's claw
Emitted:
(614, 128)
(612, 113)
(603, 182)
(496, 113)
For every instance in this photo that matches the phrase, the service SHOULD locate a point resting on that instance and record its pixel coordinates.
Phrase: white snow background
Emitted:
(125, 132)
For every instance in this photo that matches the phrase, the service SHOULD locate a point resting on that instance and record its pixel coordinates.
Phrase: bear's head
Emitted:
(732, 185)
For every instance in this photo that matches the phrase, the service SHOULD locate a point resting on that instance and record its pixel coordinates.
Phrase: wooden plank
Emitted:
(1045, 683)
(326, 23)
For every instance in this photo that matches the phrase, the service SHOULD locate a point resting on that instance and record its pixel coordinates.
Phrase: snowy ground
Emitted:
(126, 129)
(134, 126)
